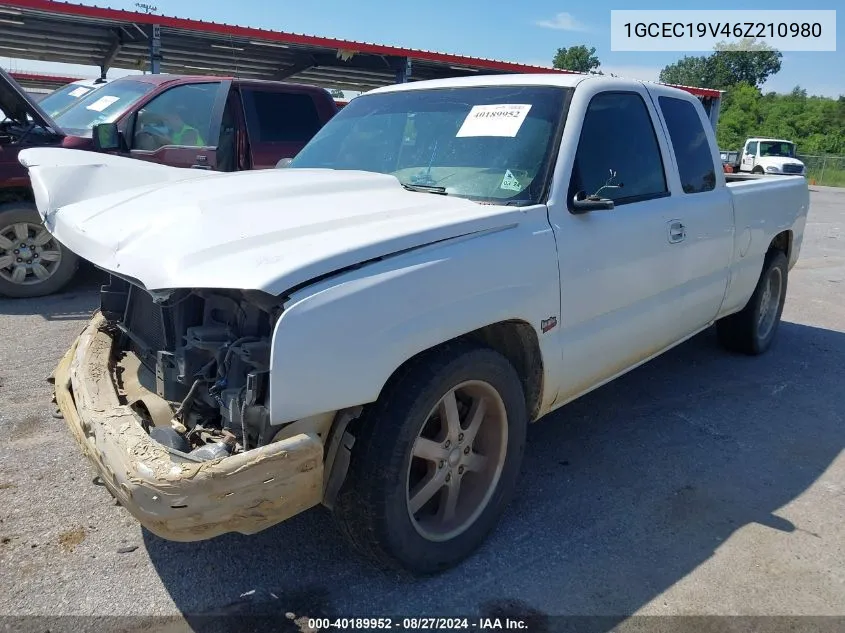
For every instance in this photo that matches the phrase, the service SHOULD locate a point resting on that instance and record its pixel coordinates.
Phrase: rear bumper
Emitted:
(171, 496)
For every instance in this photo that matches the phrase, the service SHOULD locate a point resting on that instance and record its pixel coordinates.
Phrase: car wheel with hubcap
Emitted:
(752, 330)
(436, 459)
(32, 262)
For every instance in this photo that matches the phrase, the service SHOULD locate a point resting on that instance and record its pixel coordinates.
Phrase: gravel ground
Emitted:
(701, 483)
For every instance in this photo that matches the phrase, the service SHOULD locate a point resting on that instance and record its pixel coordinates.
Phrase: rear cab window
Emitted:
(618, 137)
(280, 117)
(690, 144)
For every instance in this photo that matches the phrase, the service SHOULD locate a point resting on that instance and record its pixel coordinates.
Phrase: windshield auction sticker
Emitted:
(102, 103)
(494, 120)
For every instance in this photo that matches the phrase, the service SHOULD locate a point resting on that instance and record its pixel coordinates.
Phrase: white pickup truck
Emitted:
(374, 326)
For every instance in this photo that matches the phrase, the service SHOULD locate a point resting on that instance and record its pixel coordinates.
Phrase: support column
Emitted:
(155, 50)
(403, 73)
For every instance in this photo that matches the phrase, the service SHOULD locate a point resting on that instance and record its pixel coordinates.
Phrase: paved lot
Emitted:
(702, 483)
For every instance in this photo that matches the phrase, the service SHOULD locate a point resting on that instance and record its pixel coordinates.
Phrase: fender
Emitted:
(338, 341)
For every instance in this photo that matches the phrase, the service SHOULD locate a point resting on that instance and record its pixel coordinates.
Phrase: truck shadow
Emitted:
(76, 301)
(624, 493)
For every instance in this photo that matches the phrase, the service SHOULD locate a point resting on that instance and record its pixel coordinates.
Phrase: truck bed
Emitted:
(785, 200)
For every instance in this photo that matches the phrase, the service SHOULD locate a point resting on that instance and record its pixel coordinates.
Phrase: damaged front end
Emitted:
(166, 395)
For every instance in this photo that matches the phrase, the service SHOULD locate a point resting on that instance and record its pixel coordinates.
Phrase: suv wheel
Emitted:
(32, 262)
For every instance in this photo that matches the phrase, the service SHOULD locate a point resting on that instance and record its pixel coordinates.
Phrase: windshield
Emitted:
(768, 148)
(104, 105)
(64, 97)
(489, 143)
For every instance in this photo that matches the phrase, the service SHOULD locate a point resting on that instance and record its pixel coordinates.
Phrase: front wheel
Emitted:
(436, 460)
(32, 262)
(752, 330)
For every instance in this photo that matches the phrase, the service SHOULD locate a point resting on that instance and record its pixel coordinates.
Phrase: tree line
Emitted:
(816, 124)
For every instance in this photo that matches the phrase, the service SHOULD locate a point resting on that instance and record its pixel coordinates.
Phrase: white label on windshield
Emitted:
(78, 92)
(102, 103)
(510, 182)
(494, 120)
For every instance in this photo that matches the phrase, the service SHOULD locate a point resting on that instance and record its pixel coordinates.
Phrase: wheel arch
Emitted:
(514, 339)
(782, 242)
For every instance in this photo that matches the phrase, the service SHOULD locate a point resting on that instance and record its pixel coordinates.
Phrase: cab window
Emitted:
(180, 117)
(280, 117)
(618, 138)
(691, 145)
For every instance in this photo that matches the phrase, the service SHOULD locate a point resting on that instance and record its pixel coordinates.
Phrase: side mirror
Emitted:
(284, 163)
(107, 137)
(581, 203)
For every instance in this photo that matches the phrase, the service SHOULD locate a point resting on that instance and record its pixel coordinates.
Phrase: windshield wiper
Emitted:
(425, 188)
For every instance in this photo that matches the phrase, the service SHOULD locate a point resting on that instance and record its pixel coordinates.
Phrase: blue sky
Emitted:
(529, 32)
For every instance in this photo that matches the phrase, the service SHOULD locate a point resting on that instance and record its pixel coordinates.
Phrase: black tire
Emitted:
(741, 332)
(60, 274)
(372, 508)
(757, 170)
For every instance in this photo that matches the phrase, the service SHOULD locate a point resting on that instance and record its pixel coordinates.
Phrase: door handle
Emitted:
(677, 231)
(201, 162)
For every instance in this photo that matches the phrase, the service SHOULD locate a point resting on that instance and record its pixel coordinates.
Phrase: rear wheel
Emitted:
(752, 330)
(436, 460)
(32, 262)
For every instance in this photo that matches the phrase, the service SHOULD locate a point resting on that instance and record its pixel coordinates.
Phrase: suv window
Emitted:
(180, 116)
(280, 117)
(692, 149)
(618, 136)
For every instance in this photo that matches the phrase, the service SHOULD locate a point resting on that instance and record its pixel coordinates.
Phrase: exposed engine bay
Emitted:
(193, 364)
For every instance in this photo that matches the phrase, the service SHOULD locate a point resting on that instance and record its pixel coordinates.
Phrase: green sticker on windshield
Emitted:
(510, 182)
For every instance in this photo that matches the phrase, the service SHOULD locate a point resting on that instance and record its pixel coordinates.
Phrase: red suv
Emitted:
(225, 124)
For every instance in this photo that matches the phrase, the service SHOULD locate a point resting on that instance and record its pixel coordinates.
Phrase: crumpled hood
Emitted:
(268, 230)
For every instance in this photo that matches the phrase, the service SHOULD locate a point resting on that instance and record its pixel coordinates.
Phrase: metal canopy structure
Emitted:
(94, 36)
(52, 31)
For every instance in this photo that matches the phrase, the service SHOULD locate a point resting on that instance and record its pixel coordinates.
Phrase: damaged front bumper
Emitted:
(172, 496)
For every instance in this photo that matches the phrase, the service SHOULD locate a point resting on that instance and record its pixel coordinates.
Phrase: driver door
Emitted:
(180, 127)
(748, 156)
(623, 271)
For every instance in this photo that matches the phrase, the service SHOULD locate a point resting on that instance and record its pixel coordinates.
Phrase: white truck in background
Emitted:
(770, 156)
(373, 327)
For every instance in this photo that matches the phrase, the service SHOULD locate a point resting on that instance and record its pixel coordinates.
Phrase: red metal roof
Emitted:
(433, 63)
(38, 82)
(21, 76)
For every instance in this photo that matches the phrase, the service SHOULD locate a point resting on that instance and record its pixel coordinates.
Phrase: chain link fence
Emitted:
(824, 170)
